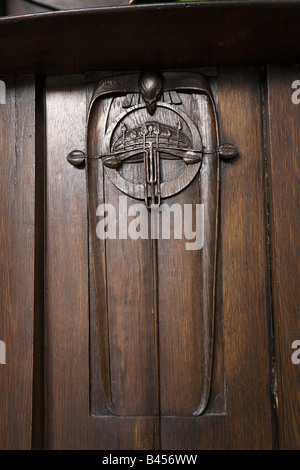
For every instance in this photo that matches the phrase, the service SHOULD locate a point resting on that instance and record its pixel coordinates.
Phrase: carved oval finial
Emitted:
(191, 157)
(112, 161)
(228, 151)
(151, 88)
(76, 158)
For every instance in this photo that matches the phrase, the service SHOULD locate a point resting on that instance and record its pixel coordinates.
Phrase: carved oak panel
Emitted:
(153, 148)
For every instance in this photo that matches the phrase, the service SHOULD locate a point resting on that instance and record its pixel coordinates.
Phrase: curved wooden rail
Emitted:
(122, 38)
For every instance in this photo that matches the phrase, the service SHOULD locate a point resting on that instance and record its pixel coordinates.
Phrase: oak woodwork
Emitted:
(246, 288)
(52, 393)
(283, 174)
(17, 254)
(243, 281)
(67, 322)
(109, 124)
(235, 33)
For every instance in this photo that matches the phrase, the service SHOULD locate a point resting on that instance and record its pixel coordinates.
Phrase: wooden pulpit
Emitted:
(149, 226)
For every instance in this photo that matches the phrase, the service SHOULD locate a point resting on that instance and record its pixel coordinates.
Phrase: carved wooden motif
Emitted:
(154, 138)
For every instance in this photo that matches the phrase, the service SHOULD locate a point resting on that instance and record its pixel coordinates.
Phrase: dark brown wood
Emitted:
(69, 423)
(246, 317)
(124, 296)
(248, 32)
(152, 292)
(110, 137)
(283, 172)
(66, 332)
(245, 290)
(17, 237)
(245, 263)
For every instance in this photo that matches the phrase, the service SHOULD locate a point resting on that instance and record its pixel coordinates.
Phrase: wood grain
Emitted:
(244, 259)
(245, 263)
(68, 421)
(123, 303)
(257, 284)
(247, 423)
(17, 193)
(189, 313)
(124, 292)
(66, 268)
(283, 171)
(241, 415)
(181, 336)
(130, 305)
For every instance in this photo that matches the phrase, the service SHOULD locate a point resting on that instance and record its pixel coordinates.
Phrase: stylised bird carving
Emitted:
(151, 88)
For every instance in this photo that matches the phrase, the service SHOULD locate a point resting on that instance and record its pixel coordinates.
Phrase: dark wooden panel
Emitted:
(17, 193)
(283, 170)
(185, 318)
(245, 263)
(66, 282)
(128, 271)
(69, 424)
(244, 259)
(180, 319)
(124, 292)
(186, 289)
(186, 35)
(131, 325)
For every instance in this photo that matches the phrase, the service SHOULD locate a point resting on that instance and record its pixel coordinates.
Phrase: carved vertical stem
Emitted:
(209, 186)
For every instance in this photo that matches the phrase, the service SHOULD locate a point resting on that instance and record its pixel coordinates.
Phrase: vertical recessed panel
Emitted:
(17, 195)
(66, 275)
(156, 349)
(72, 420)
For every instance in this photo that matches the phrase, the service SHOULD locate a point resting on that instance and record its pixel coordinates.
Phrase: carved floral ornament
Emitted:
(151, 139)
